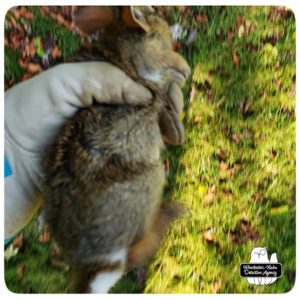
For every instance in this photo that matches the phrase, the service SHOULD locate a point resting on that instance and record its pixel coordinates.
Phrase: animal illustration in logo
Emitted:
(260, 255)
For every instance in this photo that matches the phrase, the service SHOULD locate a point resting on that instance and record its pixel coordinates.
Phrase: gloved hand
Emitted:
(37, 108)
(34, 112)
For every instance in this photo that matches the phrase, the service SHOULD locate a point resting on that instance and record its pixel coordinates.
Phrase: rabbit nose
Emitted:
(177, 62)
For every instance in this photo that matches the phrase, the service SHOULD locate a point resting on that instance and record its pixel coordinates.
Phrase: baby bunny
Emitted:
(103, 176)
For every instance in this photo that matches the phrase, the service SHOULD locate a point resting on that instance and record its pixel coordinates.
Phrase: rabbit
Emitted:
(103, 177)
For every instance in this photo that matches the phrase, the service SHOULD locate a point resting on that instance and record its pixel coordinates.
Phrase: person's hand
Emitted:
(34, 112)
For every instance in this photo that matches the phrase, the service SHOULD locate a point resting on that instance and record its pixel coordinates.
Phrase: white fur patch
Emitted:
(152, 76)
(119, 255)
(104, 281)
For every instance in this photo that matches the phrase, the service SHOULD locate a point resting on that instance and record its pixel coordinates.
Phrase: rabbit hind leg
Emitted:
(98, 278)
(145, 247)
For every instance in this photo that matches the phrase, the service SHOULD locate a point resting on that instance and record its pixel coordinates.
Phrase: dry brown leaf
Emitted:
(208, 199)
(18, 242)
(15, 41)
(210, 195)
(202, 18)
(45, 9)
(20, 271)
(235, 59)
(23, 63)
(26, 76)
(182, 8)
(235, 138)
(230, 35)
(239, 21)
(55, 52)
(216, 287)
(194, 90)
(227, 193)
(248, 26)
(34, 68)
(45, 235)
(60, 19)
(223, 166)
(209, 235)
(232, 171)
(197, 120)
(221, 154)
(16, 13)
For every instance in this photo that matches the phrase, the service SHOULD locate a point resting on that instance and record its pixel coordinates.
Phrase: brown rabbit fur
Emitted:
(104, 177)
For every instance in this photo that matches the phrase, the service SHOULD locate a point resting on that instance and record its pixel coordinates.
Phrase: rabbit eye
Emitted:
(137, 14)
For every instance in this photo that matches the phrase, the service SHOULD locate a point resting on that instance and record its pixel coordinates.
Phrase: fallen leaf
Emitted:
(45, 9)
(202, 18)
(193, 92)
(210, 196)
(227, 193)
(10, 252)
(55, 53)
(60, 19)
(18, 242)
(209, 235)
(20, 271)
(26, 76)
(232, 171)
(182, 8)
(45, 235)
(34, 68)
(15, 41)
(235, 59)
(239, 21)
(235, 138)
(16, 13)
(241, 31)
(221, 154)
(223, 166)
(273, 153)
(248, 26)
(216, 287)
(197, 120)
(212, 189)
(230, 35)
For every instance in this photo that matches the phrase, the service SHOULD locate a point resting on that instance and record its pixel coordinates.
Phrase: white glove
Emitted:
(34, 112)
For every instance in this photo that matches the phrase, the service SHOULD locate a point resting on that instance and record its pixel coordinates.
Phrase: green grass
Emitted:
(253, 104)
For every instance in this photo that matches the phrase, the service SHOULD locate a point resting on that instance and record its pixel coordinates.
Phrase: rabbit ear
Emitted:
(133, 17)
(89, 19)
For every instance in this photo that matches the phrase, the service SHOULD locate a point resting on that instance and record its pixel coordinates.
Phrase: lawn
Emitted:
(235, 172)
